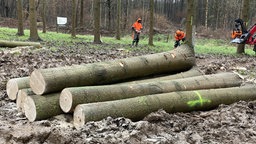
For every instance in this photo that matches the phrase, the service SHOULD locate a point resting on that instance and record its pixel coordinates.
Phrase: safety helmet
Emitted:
(178, 32)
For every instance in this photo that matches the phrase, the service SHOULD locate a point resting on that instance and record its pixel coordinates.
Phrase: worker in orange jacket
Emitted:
(179, 35)
(236, 33)
(136, 27)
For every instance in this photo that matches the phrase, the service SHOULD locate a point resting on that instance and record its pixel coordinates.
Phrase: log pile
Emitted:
(125, 88)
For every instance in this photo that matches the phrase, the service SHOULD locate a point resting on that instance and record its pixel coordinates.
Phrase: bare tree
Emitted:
(43, 16)
(96, 15)
(20, 18)
(32, 19)
(190, 23)
(151, 23)
(118, 37)
(73, 33)
(206, 13)
(81, 13)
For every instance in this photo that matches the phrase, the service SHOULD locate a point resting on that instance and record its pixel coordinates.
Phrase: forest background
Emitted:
(213, 18)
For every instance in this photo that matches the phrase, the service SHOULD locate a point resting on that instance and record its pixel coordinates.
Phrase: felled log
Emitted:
(190, 73)
(11, 44)
(71, 97)
(22, 95)
(44, 81)
(42, 107)
(14, 85)
(185, 101)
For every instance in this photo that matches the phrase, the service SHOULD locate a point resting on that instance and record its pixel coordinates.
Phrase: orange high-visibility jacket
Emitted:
(236, 33)
(179, 35)
(137, 26)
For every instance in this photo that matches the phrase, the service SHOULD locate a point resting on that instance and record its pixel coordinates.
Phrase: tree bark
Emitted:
(20, 18)
(71, 97)
(42, 107)
(137, 108)
(14, 85)
(44, 81)
(22, 95)
(11, 44)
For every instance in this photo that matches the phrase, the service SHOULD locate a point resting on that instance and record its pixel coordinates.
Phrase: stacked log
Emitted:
(185, 101)
(22, 95)
(43, 81)
(71, 97)
(42, 107)
(94, 91)
(14, 85)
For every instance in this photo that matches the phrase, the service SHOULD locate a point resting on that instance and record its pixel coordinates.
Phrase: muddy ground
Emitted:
(234, 123)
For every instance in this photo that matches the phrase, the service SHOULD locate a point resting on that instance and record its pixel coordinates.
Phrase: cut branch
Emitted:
(137, 108)
(71, 97)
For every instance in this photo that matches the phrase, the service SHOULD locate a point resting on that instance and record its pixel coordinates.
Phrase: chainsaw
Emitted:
(247, 36)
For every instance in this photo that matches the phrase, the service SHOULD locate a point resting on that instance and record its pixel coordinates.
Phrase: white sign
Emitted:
(61, 20)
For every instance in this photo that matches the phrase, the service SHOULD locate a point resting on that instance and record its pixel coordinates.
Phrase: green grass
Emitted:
(206, 46)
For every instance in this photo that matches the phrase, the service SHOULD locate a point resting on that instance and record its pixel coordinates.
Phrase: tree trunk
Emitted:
(245, 17)
(14, 85)
(42, 107)
(12, 44)
(22, 95)
(32, 22)
(73, 32)
(43, 16)
(151, 23)
(96, 15)
(55, 79)
(206, 13)
(137, 108)
(71, 97)
(20, 18)
(190, 23)
(81, 13)
(190, 73)
(118, 35)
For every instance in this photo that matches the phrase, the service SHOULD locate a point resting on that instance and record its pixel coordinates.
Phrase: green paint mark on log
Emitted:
(142, 100)
(200, 101)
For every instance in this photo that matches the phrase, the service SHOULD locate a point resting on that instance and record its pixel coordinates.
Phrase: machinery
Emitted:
(242, 36)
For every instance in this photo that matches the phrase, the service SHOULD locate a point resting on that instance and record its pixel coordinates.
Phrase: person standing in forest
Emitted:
(136, 27)
(179, 35)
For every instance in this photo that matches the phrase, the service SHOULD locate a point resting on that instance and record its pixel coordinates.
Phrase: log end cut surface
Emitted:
(12, 89)
(37, 82)
(20, 100)
(79, 118)
(66, 101)
(30, 109)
